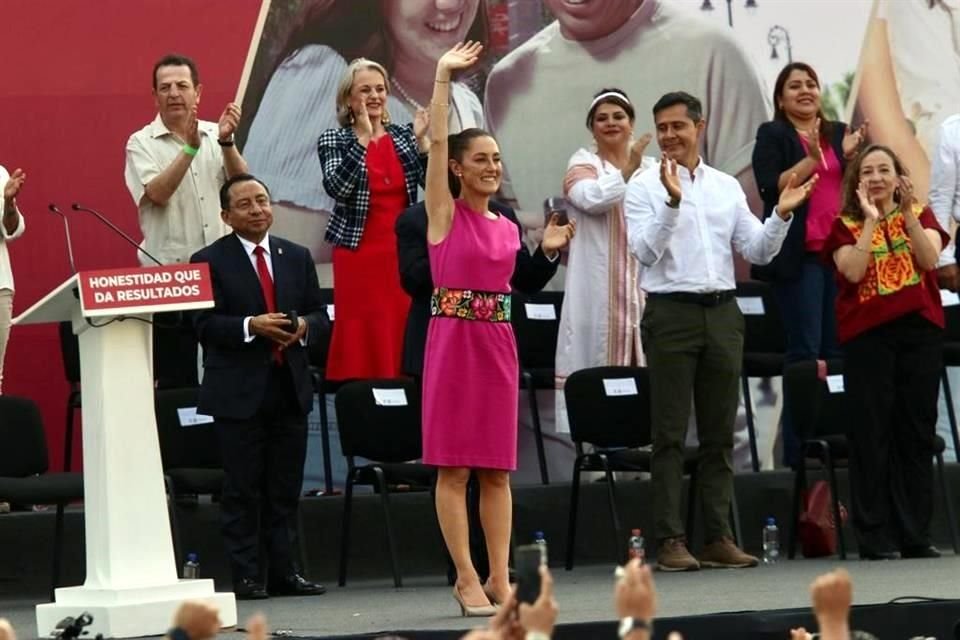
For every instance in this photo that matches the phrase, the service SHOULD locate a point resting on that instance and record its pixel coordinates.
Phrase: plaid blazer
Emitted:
(343, 161)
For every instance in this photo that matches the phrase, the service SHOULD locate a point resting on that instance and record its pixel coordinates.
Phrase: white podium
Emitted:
(132, 586)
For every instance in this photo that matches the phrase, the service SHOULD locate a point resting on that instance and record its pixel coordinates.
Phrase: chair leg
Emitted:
(751, 428)
(325, 441)
(57, 551)
(948, 503)
(572, 514)
(345, 528)
(835, 494)
(691, 507)
(951, 414)
(388, 522)
(799, 486)
(618, 546)
(68, 433)
(537, 429)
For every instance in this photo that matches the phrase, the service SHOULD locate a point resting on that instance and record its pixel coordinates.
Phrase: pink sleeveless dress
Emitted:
(470, 371)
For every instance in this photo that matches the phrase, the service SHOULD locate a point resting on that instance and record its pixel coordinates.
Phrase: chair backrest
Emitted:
(536, 322)
(70, 352)
(23, 451)
(380, 420)
(815, 408)
(763, 324)
(318, 349)
(609, 406)
(184, 445)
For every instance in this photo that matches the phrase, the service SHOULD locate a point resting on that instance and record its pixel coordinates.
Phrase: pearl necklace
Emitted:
(405, 95)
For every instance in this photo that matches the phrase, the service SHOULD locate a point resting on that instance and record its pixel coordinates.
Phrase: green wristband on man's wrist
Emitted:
(190, 151)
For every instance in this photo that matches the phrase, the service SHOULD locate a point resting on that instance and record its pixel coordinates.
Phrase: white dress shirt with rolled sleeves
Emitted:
(6, 273)
(689, 249)
(945, 181)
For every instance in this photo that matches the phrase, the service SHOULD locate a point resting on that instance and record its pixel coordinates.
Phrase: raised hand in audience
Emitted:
(635, 596)
(199, 620)
(257, 627)
(6, 630)
(832, 595)
(504, 624)
(541, 616)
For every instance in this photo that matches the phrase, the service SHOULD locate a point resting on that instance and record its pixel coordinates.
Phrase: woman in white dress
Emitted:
(600, 318)
(299, 102)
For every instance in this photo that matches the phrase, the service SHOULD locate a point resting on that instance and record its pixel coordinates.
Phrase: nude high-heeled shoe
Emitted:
(491, 596)
(468, 611)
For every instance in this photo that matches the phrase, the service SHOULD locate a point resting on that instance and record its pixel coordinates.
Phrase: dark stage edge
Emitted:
(925, 619)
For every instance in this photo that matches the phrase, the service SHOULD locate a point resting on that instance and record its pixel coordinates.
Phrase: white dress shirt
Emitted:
(945, 181)
(248, 247)
(689, 248)
(6, 273)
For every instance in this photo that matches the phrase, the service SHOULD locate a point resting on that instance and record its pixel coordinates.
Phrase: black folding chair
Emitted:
(190, 453)
(821, 417)
(70, 355)
(617, 425)
(23, 469)
(318, 350)
(536, 321)
(763, 346)
(951, 358)
(380, 420)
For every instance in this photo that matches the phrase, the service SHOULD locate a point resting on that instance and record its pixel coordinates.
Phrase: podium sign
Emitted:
(130, 291)
(132, 586)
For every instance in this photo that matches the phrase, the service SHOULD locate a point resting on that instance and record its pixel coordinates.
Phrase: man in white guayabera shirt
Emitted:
(11, 226)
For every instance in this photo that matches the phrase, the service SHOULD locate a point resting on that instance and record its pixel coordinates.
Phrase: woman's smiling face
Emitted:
(426, 29)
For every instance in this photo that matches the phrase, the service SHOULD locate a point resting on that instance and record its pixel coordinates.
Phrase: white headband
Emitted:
(608, 94)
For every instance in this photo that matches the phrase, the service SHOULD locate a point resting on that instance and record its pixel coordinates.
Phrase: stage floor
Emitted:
(583, 595)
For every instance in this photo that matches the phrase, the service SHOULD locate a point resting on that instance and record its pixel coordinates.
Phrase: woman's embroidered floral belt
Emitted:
(469, 304)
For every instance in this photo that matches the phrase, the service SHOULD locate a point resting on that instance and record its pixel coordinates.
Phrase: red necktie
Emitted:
(269, 295)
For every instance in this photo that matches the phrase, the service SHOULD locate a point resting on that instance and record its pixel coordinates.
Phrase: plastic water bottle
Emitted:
(541, 542)
(771, 542)
(191, 568)
(635, 546)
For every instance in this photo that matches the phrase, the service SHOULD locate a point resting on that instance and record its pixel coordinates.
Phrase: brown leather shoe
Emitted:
(672, 555)
(723, 554)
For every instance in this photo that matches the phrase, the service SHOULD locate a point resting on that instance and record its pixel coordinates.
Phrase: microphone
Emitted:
(66, 228)
(102, 218)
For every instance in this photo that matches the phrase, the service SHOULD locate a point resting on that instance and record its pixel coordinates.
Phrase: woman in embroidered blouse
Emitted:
(408, 37)
(801, 140)
(372, 168)
(599, 321)
(884, 247)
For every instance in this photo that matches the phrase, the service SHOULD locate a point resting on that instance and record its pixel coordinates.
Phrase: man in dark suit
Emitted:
(257, 386)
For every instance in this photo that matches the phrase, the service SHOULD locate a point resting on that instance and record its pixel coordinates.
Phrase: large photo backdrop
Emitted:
(77, 83)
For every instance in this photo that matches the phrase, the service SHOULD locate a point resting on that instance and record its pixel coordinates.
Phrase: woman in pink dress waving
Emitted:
(470, 383)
